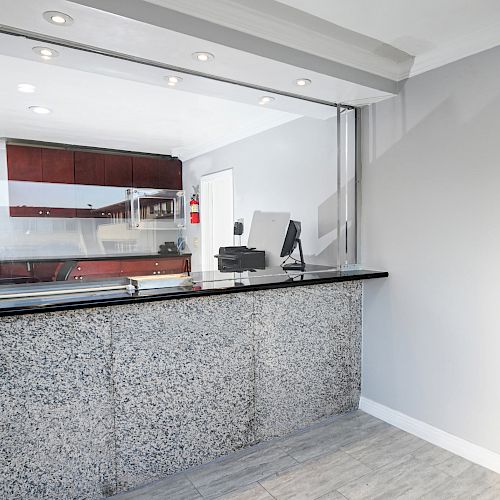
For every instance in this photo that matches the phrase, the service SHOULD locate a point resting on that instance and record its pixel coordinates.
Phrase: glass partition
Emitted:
(103, 162)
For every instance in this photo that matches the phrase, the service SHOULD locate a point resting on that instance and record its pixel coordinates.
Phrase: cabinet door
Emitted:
(139, 267)
(174, 265)
(145, 172)
(58, 166)
(170, 174)
(89, 168)
(24, 163)
(94, 269)
(118, 170)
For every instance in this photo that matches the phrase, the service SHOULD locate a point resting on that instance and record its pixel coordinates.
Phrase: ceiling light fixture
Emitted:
(57, 18)
(266, 99)
(303, 82)
(45, 52)
(203, 56)
(27, 88)
(173, 80)
(40, 110)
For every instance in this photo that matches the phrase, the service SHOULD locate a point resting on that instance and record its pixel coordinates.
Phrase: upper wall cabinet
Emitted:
(24, 163)
(170, 173)
(117, 170)
(146, 171)
(58, 166)
(160, 173)
(89, 168)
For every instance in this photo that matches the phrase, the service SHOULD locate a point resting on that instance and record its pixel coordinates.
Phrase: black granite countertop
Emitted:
(207, 283)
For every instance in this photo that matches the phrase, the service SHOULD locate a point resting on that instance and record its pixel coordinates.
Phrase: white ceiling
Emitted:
(435, 31)
(102, 102)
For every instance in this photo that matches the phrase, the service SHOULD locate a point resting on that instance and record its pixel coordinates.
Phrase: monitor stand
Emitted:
(296, 266)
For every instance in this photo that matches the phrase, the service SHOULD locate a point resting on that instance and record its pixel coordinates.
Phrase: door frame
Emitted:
(206, 216)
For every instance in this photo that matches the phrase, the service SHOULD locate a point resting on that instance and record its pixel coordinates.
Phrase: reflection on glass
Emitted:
(97, 189)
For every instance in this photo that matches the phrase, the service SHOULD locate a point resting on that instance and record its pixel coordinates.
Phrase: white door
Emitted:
(216, 215)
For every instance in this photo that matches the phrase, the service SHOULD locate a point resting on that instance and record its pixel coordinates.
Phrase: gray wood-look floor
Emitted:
(352, 457)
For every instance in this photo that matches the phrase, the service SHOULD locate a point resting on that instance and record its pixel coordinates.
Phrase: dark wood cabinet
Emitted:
(58, 166)
(35, 271)
(117, 170)
(89, 168)
(170, 173)
(24, 163)
(64, 166)
(145, 171)
(159, 173)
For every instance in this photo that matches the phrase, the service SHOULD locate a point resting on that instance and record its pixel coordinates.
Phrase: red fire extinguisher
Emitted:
(195, 209)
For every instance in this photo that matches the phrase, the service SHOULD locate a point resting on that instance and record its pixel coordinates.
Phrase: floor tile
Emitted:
(474, 483)
(331, 436)
(176, 488)
(333, 495)
(222, 477)
(384, 447)
(252, 492)
(431, 455)
(407, 478)
(454, 466)
(417, 470)
(317, 477)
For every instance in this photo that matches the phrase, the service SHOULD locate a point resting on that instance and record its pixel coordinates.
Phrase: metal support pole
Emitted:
(339, 185)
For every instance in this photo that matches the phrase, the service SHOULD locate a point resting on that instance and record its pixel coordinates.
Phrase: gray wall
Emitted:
(289, 169)
(430, 216)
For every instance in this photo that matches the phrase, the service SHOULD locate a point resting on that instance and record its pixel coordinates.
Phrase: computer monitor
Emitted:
(292, 239)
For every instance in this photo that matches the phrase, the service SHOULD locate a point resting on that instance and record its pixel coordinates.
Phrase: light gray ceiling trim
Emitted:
(173, 20)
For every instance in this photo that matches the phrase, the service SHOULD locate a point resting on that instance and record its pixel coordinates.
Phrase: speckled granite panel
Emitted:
(55, 404)
(183, 373)
(308, 355)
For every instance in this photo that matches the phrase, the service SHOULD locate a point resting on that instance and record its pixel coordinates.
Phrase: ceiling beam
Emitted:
(173, 20)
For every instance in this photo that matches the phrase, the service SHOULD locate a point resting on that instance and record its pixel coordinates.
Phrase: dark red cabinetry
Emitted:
(89, 270)
(151, 172)
(170, 173)
(24, 163)
(117, 170)
(58, 166)
(64, 166)
(146, 172)
(89, 168)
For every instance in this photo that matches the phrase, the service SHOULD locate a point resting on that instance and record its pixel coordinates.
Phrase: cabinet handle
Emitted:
(40, 212)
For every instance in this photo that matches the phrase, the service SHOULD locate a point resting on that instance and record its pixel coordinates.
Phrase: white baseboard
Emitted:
(454, 444)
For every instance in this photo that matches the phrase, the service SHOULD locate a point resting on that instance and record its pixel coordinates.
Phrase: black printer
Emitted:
(239, 259)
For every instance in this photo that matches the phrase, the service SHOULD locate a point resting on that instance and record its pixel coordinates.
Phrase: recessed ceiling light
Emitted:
(303, 82)
(57, 18)
(40, 110)
(173, 80)
(26, 88)
(203, 56)
(266, 99)
(45, 52)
